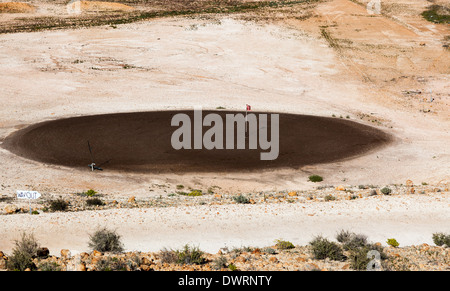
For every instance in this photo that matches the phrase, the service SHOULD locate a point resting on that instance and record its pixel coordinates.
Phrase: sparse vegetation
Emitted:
(49, 266)
(323, 249)
(189, 255)
(219, 263)
(94, 202)
(386, 190)
(284, 245)
(441, 239)
(392, 242)
(329, 197)
(315, 178)
(157, 9)
(241, 199)
(437, 14)
(110, 264)
(23, 252)
(104, 240)
(59, 205)
(168, 256)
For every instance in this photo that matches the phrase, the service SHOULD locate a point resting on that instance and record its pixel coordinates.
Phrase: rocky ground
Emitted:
(272, 257)
(422, 257)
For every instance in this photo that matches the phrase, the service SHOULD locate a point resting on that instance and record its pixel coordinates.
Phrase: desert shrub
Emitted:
(392, 242)
(105, 240)
(49, 266)
(195, 193)
(189, 255)
(110, 264)
(94, 202)
(386, 190)
(90, 193)
(59, 205)
(23, 252)
(344, 236)
(359, 259)
(441, 239)
(232, 267)
(351, 240)
(168, 256)
(269, 251)
(219, 262)
(323, 248)
(284, 245)
(241, 199)
(437, 14)
(315, 178)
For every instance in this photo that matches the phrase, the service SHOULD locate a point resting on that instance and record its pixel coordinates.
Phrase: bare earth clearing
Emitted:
(330, 58)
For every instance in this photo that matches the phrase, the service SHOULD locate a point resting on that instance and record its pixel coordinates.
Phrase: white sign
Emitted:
(28, 194)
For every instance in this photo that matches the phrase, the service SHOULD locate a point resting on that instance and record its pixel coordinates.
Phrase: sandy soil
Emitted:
(409, 219)
(341, 61)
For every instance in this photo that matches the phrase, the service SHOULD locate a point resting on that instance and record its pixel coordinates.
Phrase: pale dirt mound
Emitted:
(16, 7)
(98, 6)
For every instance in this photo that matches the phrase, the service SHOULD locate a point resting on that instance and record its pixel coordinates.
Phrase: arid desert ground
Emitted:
(331, 58)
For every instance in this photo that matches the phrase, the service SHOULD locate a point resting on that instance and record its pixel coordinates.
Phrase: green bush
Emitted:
(241, 199)
(104, 240)
(59, 205)
(323, 248)
(315, 178)
(189, 255)
(284, 245)
(392, 242)
(386, 191)
(232, 267)
(23, 252)
(441, 239)
(196, 193)
(90, 193)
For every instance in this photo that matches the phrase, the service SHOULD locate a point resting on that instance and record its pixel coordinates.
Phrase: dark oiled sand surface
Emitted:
(141, 142)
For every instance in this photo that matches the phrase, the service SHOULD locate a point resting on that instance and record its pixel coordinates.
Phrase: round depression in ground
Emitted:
(141, 142)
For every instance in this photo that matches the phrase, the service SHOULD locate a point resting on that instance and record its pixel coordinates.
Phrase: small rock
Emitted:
(132, 199)
(66, 254)
(81, 267)
(43, 252)
(10, 209)
(293, 193)
(340, 188)
(145, 267)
